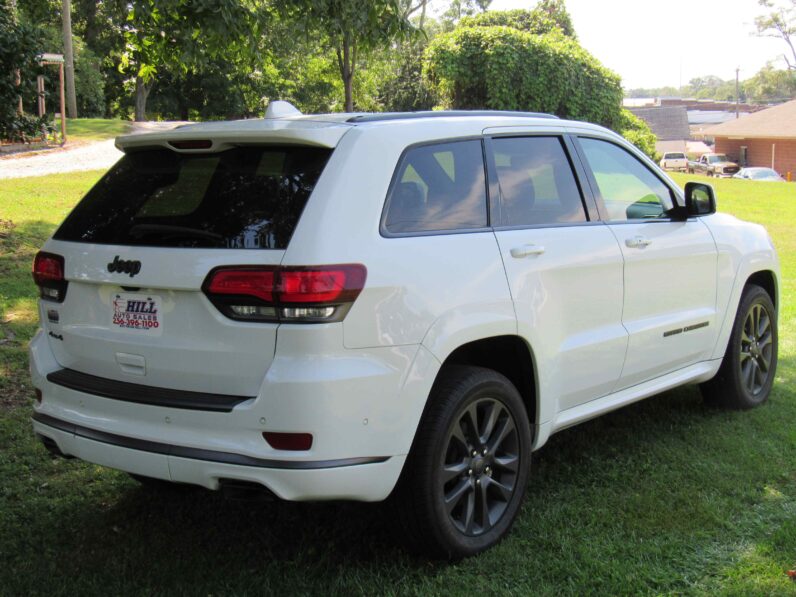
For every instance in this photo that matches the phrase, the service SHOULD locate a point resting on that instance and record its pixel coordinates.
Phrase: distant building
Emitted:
(765, 138)
(670, 125)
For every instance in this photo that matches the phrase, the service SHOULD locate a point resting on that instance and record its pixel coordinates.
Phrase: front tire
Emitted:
(464, 480)
(750, 363)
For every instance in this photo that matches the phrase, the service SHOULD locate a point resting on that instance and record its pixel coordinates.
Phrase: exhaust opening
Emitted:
(245, 491)
(52, 447)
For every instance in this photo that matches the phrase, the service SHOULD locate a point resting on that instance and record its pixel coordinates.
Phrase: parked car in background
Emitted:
(764, 174)
(674, 160)
(713, 164)
(364, 306)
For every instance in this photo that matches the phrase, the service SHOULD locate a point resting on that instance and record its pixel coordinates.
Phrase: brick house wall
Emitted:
(758, 152)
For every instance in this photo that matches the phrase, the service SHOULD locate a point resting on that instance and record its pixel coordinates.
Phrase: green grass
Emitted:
(94, 129)
(662, 497)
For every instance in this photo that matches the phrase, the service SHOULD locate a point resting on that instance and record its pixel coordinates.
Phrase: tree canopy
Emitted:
(18, 50)
(508, 69)
(205, 59)
(780, 22)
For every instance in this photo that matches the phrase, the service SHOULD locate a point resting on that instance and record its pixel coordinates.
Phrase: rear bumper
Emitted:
(356, 404)
(363, 478)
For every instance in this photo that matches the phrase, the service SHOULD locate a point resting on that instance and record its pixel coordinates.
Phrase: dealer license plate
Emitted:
(140, 313)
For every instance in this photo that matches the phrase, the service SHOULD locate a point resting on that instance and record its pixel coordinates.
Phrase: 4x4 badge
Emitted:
(124, 267)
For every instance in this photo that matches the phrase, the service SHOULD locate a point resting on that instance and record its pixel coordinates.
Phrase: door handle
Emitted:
(525, 250)
(638, 242)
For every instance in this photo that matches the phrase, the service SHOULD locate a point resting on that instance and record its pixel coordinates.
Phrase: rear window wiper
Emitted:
(170, 231)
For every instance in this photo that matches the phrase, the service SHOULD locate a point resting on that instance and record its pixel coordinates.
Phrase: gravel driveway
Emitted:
(100, 155)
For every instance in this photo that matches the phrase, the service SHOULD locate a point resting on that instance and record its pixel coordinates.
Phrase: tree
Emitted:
(179, 35)
(779, 22)
(353, 27)
(546, 16)
(770, 84)
(18, 68)
(459, 9)
(508, 69)
(69, 59)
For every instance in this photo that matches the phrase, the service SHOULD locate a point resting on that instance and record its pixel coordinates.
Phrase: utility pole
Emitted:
(69, 59)
(737, 95)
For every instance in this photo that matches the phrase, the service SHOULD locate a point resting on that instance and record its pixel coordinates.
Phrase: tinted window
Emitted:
(243, 198)
(629, 189)
(439, 187)
(674, 156)
(537, 185)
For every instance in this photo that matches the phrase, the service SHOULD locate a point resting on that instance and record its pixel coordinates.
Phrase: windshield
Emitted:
(242, 198)
(715, 159)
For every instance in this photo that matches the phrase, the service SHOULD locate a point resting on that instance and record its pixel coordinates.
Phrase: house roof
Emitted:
(778, 122)
(669, 123)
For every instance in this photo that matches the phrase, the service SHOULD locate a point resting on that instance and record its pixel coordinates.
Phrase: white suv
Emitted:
(357, 306)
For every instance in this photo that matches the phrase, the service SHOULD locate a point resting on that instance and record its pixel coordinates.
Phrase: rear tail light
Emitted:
(288, 294)
(48, 274)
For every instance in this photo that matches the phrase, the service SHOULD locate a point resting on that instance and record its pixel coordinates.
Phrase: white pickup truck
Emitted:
(674, 160)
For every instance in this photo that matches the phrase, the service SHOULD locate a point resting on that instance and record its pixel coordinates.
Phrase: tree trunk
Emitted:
(141, 92)
(69, 59)
(89, 10)
(346, 61)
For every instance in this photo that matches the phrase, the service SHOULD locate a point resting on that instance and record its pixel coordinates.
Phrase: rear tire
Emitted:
(750, 362)
(463, 482)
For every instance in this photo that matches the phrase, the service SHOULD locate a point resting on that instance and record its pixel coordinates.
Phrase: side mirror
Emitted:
(700, 199)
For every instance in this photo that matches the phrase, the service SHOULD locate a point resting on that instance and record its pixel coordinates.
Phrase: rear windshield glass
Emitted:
(243, 198)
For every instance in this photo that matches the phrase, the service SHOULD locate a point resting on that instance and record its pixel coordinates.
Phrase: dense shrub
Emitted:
(17, 52)
(547, 16)
(89, 83)
(507, 69)
(404, 89)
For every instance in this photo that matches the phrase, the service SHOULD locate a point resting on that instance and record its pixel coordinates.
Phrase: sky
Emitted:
(656, 43)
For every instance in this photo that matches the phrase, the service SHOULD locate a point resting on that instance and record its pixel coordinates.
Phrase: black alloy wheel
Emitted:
(463, 482)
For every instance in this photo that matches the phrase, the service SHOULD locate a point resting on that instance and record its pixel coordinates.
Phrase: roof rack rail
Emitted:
(380, 116)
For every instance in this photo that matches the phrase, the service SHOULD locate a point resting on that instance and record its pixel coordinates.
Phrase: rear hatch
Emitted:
(138, 248)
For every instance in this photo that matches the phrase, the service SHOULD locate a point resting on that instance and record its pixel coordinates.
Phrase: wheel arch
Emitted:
(765, 277)
(509, 355)
(767, 280)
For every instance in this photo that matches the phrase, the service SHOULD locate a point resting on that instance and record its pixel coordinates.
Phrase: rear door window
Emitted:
(439, 187)
(242, 198)
(537, 185)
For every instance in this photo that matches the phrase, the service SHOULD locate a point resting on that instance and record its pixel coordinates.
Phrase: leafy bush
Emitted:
(546, 17)
(89, 83)
(17, 52)
(507, 69)
(403, 89)
(24, 128)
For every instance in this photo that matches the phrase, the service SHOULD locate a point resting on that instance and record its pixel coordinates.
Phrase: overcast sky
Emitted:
(652, 43)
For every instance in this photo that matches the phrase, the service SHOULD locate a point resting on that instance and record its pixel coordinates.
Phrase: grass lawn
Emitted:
(662, 497)
(95, 129)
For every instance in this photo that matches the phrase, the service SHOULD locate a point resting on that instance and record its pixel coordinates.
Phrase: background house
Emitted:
(766, 138)
(670, 125)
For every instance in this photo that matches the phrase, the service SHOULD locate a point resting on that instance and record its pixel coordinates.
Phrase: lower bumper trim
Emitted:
(198, 453)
